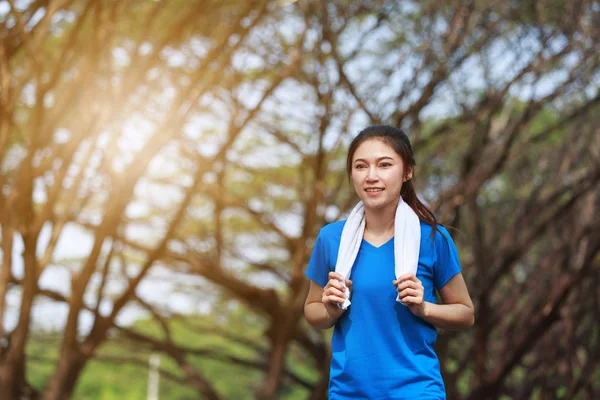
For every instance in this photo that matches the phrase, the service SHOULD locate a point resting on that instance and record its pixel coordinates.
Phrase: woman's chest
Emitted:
(374, 270)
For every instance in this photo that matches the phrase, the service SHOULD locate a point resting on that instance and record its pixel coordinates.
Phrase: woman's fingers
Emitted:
(334, 291)
(409, 277)
(412, 300)
(410, 289)
(407, 281)
(331, 291)
(410, 292)
(408, 285)
(335, 276)
(335, 280)
(335, 284)
(332, 299)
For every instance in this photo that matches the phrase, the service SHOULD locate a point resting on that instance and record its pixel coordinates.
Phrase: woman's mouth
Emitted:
(373, 191)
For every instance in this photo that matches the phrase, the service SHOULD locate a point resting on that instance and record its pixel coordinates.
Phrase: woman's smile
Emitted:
(374, 192)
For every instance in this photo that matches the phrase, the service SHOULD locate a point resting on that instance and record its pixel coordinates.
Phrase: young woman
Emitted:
(382, 346)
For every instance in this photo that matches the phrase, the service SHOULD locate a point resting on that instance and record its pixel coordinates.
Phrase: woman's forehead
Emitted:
(374, 149)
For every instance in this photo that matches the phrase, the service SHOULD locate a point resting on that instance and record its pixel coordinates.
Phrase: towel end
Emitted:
(346, 302)
(344, 305)
(399, 300)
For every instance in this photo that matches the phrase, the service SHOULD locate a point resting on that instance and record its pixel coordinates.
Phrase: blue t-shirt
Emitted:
(380, 350)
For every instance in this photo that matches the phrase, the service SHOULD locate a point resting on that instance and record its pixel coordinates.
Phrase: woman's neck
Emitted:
(380, 221)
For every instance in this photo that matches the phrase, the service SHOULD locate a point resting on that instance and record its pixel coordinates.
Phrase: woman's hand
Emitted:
(333, 294)
(411, 292)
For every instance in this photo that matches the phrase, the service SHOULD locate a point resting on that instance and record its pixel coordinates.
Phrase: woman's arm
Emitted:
(456, 312)
(320, 307)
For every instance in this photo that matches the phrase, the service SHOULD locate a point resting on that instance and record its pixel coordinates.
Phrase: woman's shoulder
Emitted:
(332, 230)
(441, 233)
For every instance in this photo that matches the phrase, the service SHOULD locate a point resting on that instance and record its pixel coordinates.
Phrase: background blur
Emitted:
(166, 166)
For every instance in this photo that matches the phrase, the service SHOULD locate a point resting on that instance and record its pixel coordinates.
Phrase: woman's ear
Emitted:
(408, 175)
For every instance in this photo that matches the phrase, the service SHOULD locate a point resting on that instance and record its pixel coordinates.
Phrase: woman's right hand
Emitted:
(333, 294)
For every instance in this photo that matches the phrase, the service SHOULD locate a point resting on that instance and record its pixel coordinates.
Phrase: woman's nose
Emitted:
(372, 175)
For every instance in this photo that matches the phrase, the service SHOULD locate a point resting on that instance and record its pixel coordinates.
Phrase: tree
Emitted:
(204, 141)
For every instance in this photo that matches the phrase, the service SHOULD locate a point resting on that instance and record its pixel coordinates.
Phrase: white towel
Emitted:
(407, 243)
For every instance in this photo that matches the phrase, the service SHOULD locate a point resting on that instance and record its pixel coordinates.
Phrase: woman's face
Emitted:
(377, 174)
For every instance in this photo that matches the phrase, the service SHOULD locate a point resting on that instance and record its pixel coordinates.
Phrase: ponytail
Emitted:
(423, 212)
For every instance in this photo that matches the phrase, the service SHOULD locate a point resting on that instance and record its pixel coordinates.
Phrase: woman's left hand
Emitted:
(411, 293)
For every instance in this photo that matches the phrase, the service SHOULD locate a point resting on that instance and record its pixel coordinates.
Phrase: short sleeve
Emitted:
(447, 263)
(319, 265)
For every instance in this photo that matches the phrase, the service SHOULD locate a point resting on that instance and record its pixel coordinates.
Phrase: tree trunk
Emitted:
(279, 344)
(5, 275)
(12, 367)
(283, 332)
(63, 381)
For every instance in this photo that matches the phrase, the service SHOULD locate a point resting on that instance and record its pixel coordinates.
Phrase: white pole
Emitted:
(153, 376)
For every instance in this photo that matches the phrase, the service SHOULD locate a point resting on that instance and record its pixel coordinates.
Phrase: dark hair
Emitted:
(397, 140)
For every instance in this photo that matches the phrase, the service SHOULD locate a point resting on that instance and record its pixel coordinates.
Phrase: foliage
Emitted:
(177, 159)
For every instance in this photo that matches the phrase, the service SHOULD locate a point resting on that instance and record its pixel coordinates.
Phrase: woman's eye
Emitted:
(359, 166)
(385, 165)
